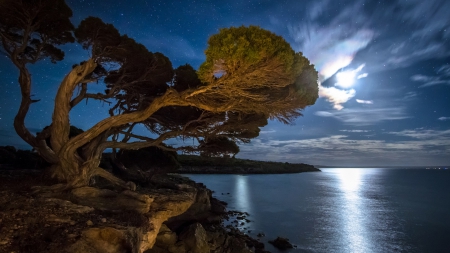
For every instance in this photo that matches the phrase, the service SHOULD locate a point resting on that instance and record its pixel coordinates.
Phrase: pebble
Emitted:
(89, 223)
(103, 220)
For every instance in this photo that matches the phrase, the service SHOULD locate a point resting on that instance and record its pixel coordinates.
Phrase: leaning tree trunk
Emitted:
(72, 168)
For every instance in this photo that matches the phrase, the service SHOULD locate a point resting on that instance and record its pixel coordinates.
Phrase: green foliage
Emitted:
(32, 29)
(306, 85)
(93, 32)
(218, 147)
(186, 78)
(135, 74)
(151, 159)
(250, 75)
(241, 47)
(74, 131)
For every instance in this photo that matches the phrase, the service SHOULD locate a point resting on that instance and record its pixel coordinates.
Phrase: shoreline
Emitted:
(215, 165)
(237, 171)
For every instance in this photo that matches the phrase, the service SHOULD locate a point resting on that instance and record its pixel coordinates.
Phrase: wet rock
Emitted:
(281, 243)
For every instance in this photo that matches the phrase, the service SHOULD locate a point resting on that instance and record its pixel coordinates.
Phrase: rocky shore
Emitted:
(175, 214)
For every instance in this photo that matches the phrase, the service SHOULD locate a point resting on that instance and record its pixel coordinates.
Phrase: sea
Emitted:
(343, 209)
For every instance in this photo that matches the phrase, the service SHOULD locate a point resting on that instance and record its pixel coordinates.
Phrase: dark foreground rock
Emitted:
(281, 243)
(175, 214)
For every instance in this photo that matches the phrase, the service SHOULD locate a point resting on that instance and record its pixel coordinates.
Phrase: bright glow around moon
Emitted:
(345, 79)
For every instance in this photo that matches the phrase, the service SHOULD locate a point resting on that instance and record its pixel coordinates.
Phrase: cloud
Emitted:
(424, 134)
(355, 131)
(422, 53)
(444, 70)
(271, 131)
(369, 102)
(329, 50)
(410, 95)
(420, 78)
(444, 118)
(331, 46)
(431, 80)
(336, 96)
(363, 75)
(343, 150)
(365, 116)
(417, 31)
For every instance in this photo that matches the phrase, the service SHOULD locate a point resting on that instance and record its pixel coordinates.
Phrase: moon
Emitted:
(346, 79)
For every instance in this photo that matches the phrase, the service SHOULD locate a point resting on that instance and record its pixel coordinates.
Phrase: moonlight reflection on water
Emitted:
(344, 209)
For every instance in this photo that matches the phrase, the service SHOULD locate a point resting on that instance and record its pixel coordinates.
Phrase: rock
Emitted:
(166, 204)
(199, 209)
(71, 207)
(103, 220)
(195, 238)
(218, 206)
(281, 243)
(260, 235)
(54, 218)
(108, 200)
(179, 247)
(165, 237)
(101, 240)
(89, 223)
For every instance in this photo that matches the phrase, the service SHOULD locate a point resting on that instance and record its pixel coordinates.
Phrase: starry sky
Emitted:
(384, 73)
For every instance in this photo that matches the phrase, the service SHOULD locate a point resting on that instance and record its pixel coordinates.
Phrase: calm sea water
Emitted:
(344, 209)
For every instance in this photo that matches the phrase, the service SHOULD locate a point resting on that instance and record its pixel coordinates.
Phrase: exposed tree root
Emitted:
(113, 179)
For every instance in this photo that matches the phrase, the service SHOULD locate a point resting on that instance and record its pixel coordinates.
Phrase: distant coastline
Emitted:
(191, 164)
(386, 167)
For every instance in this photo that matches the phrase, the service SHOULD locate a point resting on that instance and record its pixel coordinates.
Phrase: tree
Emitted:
(249, 75)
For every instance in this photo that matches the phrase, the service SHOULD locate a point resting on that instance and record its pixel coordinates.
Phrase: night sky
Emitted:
(384, 70)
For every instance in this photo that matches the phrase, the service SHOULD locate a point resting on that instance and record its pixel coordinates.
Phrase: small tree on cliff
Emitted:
(250, 75)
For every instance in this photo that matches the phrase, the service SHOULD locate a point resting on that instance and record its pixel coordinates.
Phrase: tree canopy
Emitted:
(250, 75)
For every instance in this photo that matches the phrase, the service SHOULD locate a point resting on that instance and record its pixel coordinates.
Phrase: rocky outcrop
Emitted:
(136, 237)
(108, 200)
(175, 218)
(195, 238)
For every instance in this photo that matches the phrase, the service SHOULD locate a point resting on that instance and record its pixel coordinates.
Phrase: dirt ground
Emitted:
(29, 223)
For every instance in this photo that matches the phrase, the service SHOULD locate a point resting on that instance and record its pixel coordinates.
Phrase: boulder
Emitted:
(281, 243)
(195, 238)
(101, 240)
(165, 237)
